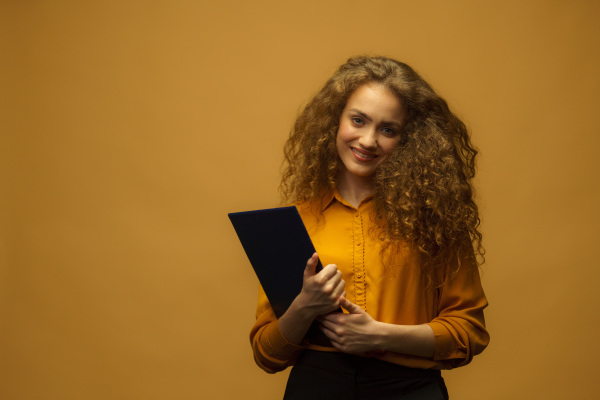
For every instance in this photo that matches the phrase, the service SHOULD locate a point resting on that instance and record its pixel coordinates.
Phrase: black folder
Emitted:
(278, 247)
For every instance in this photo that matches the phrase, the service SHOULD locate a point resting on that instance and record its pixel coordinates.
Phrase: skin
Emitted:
(320, 295)
(369, 130)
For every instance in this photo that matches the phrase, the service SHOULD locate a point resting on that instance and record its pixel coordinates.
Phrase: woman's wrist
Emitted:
(416, 340)
(302, 311)
(296, 321)
(381, 337)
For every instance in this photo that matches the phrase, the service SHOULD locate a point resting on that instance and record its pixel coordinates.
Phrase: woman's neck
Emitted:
(354, 189)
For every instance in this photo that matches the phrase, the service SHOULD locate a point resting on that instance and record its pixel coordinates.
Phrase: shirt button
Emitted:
(358, 244)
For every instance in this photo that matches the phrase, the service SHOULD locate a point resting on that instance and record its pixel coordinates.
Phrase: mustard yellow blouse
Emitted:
(393, 293)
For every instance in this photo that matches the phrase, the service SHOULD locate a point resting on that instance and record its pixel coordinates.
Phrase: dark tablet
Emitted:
(278, 247)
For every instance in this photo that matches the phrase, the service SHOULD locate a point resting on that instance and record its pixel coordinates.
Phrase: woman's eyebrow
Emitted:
(362, 114)
(391, 123)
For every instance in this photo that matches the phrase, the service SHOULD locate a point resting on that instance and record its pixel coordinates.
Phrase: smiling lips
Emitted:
(362, 155)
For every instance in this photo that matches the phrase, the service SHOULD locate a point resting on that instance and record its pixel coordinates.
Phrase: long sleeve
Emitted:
(459, 328)
(272, 351)
(392, 291)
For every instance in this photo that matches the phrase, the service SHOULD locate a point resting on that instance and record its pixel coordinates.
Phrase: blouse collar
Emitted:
(334, 194)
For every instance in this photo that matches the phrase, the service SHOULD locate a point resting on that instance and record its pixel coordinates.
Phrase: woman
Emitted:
(380, 171)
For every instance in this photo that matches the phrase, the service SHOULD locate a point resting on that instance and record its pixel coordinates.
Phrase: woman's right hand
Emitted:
(320, 295)
(320, 291)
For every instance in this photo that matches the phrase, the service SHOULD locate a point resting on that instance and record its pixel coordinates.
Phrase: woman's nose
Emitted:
(369, 139)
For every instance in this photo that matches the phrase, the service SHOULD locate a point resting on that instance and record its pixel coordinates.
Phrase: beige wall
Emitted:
(130, 128)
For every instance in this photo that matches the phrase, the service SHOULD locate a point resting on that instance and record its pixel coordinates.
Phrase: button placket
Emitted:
(359, 262)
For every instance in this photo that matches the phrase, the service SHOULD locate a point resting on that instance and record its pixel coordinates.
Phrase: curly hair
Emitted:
(422, 191)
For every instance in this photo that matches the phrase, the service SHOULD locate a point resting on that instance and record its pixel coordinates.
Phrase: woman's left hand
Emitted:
(356, 332)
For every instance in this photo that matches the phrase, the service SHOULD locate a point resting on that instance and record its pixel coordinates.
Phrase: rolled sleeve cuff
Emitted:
(277, 345)
(445, 346)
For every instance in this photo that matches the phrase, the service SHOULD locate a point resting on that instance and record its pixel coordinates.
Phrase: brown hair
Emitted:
(422, 190)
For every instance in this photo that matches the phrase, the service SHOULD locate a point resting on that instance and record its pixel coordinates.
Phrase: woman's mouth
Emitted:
(362, 155)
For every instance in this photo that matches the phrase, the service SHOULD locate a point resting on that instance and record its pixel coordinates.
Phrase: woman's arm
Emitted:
(276, 342)
(320, 294)
(451, 339)
(357, 332)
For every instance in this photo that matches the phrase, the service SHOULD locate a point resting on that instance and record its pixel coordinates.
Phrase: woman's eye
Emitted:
(388, 131)
(357, 120)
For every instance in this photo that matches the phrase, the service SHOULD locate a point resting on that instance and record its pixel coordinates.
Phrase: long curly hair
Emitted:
(422, 191)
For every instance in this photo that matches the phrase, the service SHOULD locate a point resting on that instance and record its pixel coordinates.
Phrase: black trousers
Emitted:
(338, 376)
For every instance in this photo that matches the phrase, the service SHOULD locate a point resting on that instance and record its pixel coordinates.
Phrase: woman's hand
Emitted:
(356, 332)
(321, 291)
(320, 295)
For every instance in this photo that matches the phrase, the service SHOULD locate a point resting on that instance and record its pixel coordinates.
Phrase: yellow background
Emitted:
(129, 129)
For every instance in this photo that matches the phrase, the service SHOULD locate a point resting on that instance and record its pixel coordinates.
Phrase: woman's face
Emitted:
(369, 128)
